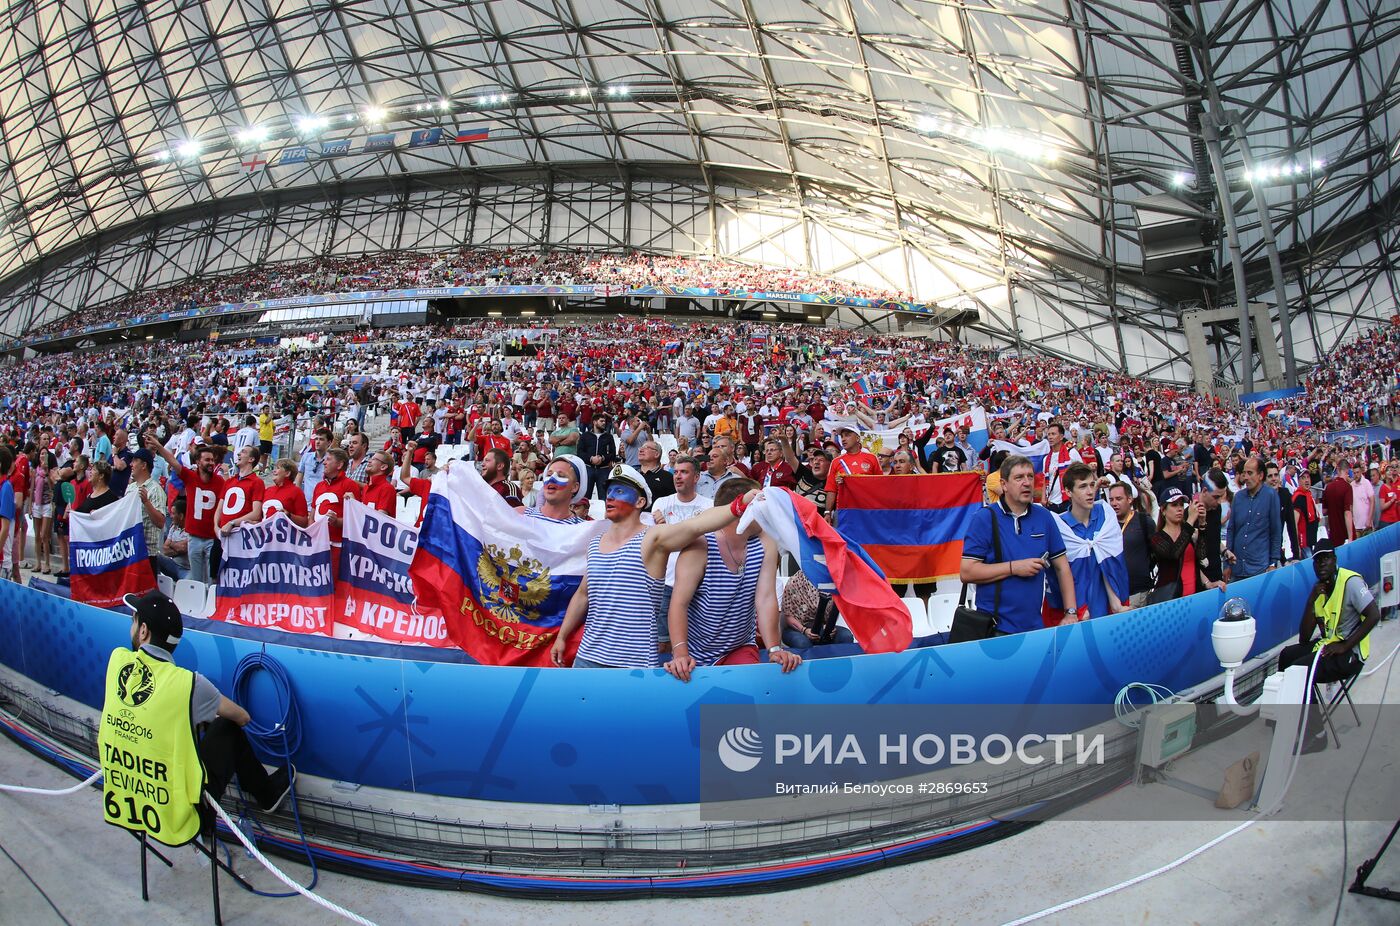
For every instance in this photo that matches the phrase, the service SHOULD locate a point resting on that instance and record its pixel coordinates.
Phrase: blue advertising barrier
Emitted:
(437, 724)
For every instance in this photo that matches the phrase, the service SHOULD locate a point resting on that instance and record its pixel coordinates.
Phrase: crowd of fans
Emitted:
(465, 267)
(691, 407)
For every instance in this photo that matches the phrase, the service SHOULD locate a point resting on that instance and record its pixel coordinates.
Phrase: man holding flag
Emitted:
(855, 461)
(1094, 548)
(1025, 542)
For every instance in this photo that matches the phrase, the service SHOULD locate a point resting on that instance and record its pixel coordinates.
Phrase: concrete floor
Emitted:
(61, 864)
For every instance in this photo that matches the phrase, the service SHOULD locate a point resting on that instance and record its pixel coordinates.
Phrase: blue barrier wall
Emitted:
(632, 737)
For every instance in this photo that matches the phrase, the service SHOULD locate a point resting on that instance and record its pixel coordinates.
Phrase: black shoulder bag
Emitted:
(973, 623)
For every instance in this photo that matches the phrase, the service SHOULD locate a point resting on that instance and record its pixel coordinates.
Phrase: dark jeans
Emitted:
(598, 481)
(225, 752)
(1335, 668)
(797, 640)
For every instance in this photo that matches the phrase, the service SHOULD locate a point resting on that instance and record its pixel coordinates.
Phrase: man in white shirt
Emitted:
(688, 426)
(246, 436)
(672, 509)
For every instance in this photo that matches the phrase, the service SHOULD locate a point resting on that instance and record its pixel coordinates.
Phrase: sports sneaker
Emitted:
(279, 784)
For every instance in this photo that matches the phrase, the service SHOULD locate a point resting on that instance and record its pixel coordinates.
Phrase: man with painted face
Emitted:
(1343, 610)
(565, 482)
(624, 582)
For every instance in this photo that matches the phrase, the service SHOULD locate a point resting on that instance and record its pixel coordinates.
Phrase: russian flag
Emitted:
(673, 347)
(502, 581)
(911, 526)
(472, 133)
(1034, 452)
(878, 619)
(107, 556)
(1093, 561)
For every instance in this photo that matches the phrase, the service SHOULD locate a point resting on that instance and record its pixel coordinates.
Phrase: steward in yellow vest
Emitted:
(155, 770)
(1344, 611)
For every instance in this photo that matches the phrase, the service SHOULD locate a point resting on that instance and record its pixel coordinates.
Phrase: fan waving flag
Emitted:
(502, 581)
(911, 526)
(107, 555)
(878, 619)
(1096, 561)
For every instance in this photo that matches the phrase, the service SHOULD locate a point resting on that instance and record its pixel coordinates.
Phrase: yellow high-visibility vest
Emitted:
(1330, 612)
(152, 775)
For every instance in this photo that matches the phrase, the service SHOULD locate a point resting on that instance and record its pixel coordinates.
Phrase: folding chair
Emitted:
(209, 849)
(1328, 706)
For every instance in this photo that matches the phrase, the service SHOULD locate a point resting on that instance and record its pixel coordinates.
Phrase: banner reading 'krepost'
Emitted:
(275, 574)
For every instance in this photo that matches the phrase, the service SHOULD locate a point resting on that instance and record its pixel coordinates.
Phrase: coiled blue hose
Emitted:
(280, 740)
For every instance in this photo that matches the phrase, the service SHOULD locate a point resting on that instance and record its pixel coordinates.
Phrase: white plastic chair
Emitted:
(940, 612)
(209, 602)
(782, 584)
(597, 509)
(918, 616)
(166, 585)
(191, 597)
(409, 509)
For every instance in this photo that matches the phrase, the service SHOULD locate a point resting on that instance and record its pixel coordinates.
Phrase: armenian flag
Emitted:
(911, 526)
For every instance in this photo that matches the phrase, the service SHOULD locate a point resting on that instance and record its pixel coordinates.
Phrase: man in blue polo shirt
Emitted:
(1029, 540)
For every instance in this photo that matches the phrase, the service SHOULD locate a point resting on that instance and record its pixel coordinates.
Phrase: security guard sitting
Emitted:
(154, 770)
(1345, 610)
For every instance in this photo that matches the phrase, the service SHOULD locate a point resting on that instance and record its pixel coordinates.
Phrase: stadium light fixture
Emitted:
(162, 155)
(528, 312)
(1290, 172)
(995, 140)
(252, 135)
(188, 149)
(1183, 178)
(310, 125)
(375, 114)
(494, 313)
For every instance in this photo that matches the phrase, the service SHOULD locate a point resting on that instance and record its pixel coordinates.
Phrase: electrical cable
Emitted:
(1123, 704)
(279, 740)
(55, 792)
(1122, 885)
(1346, 799)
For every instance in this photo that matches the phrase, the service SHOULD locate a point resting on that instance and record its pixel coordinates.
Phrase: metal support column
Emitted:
(1266, 225)
(1211, 130)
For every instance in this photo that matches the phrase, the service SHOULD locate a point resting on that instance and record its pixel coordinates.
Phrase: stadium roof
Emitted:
(946, 148)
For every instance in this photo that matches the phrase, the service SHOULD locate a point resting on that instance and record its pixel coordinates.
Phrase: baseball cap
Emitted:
(145, 456)
(846, 427)
(158, 613)
(1173, 495)
(1324, 545)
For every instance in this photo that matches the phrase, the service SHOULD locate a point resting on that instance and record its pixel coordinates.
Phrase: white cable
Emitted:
(55, 792)
(1122, 885)
(1123, 703)
(277, 872)
(1378, 666)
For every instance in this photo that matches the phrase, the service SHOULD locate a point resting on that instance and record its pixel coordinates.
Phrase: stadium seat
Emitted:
(191, 597)
(597, 509)
(668, 443)
(166, 585)
(918, 615)
(940, 612)
(408, 509)
(782, 583)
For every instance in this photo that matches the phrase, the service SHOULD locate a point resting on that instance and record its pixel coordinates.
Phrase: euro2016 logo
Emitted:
(135, 684)
(740, 749)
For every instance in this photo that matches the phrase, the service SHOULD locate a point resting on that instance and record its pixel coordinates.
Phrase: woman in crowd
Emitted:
(1174, 548)
(45, 478)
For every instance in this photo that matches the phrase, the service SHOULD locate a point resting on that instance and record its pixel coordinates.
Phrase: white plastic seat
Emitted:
(597, 509)
(940, 612)
(166, 585)
(191, 597)
(782, 584)
(209, 602)
(409, 509)
(918, 616)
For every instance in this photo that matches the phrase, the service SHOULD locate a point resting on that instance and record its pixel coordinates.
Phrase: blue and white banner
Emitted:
(373, 593)
(107, 556)
(275, 574)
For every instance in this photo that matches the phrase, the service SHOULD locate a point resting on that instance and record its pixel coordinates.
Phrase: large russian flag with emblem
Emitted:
(502, 581)
(107, 556)
(878, 619)
(911, 526)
